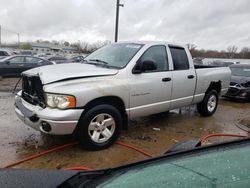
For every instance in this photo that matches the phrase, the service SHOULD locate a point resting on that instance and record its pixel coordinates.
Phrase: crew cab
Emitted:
(94, 99)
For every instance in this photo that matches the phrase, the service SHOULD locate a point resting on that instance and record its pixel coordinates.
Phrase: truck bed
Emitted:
(207, 74)
(206, 66)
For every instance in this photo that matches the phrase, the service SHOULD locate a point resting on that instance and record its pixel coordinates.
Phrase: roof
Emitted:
(154, 43)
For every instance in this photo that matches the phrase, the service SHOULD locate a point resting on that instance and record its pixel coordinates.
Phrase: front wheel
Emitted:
(209, 104)
(99, 127)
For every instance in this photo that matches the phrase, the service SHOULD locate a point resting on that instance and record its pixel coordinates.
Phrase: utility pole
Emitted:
(0, 36)
(18, 39)
(118, 5)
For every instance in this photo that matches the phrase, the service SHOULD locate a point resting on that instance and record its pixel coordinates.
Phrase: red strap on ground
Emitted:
(204, 138)
(40, 154)
(134, 148)
(78, 168)
(68, 145)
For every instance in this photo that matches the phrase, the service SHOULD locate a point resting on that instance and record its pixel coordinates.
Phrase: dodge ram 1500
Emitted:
(94, 99)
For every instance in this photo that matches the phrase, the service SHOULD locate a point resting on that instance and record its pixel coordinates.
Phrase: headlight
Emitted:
(243, 94)
(60, 101)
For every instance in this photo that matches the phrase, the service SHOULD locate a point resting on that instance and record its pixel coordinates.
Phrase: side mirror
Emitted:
(144, 66)
(7, 62)
(148, 66)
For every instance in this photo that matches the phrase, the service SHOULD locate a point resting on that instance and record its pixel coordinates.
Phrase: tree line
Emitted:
(81, 47)
(232, 52)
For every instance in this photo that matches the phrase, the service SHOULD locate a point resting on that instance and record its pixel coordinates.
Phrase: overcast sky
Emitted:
(210, 24)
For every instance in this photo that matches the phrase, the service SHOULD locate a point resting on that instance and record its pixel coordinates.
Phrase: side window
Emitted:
(31, 60)
(16, 60)
(180, 59)
(158, 54)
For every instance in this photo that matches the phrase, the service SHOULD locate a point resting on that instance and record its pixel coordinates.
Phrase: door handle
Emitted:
(166, 79)
(190, 76)
(21, 65)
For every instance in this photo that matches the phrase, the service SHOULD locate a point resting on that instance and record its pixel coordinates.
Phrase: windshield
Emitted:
(116, 55)
(240, 71)
(222, 169)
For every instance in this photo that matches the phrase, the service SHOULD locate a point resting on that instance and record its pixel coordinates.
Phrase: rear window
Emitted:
(179, 57)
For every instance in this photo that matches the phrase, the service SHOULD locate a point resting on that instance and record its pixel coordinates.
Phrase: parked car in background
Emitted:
(15, 65)
(240, 82)
(78, 58)
(5, 53)
(59, 59)
(117, 82)
(221, 63)
(26, 52)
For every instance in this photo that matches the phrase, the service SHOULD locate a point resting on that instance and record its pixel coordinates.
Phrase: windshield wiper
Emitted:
(99, 61)
(82, 178)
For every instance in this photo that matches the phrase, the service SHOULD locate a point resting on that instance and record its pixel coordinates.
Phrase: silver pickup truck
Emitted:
(94, 99)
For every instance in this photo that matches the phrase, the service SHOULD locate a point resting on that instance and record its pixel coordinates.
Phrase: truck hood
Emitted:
(62, 72)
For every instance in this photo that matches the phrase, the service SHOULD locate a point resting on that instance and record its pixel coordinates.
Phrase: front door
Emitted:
(150, 92)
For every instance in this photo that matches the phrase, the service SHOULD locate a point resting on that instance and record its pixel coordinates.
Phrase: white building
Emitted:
(43, 48)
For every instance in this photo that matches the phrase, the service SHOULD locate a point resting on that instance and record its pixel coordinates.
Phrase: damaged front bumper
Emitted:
(239, 93)
(47, 120)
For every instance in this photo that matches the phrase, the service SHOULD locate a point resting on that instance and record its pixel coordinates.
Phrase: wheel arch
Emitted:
(214, 85)
(115, 101)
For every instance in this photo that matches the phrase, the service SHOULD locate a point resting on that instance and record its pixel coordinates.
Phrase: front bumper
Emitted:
(62, 122)
(238, 93)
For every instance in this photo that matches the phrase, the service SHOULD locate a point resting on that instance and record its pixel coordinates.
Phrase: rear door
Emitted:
(184, 78)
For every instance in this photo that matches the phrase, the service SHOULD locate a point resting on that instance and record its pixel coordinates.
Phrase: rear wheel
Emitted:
(209, 104)
(99, 127)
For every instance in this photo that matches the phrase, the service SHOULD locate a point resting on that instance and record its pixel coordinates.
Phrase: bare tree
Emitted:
(245, 52)
(66, 43)
(191, 46)
(231, 51)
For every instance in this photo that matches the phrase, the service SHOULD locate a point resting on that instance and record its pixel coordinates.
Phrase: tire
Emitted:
(100, 127)
(209, 104)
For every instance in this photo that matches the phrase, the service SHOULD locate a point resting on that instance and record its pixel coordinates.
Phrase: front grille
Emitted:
(32, 90)
(233, 91)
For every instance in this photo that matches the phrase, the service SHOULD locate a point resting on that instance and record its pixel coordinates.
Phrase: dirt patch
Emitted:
(245, 122)
(8, 84)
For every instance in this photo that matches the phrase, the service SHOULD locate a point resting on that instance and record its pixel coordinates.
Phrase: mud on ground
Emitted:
(8, 84)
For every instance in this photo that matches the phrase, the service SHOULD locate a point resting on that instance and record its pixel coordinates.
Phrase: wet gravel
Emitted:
(155, 134)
